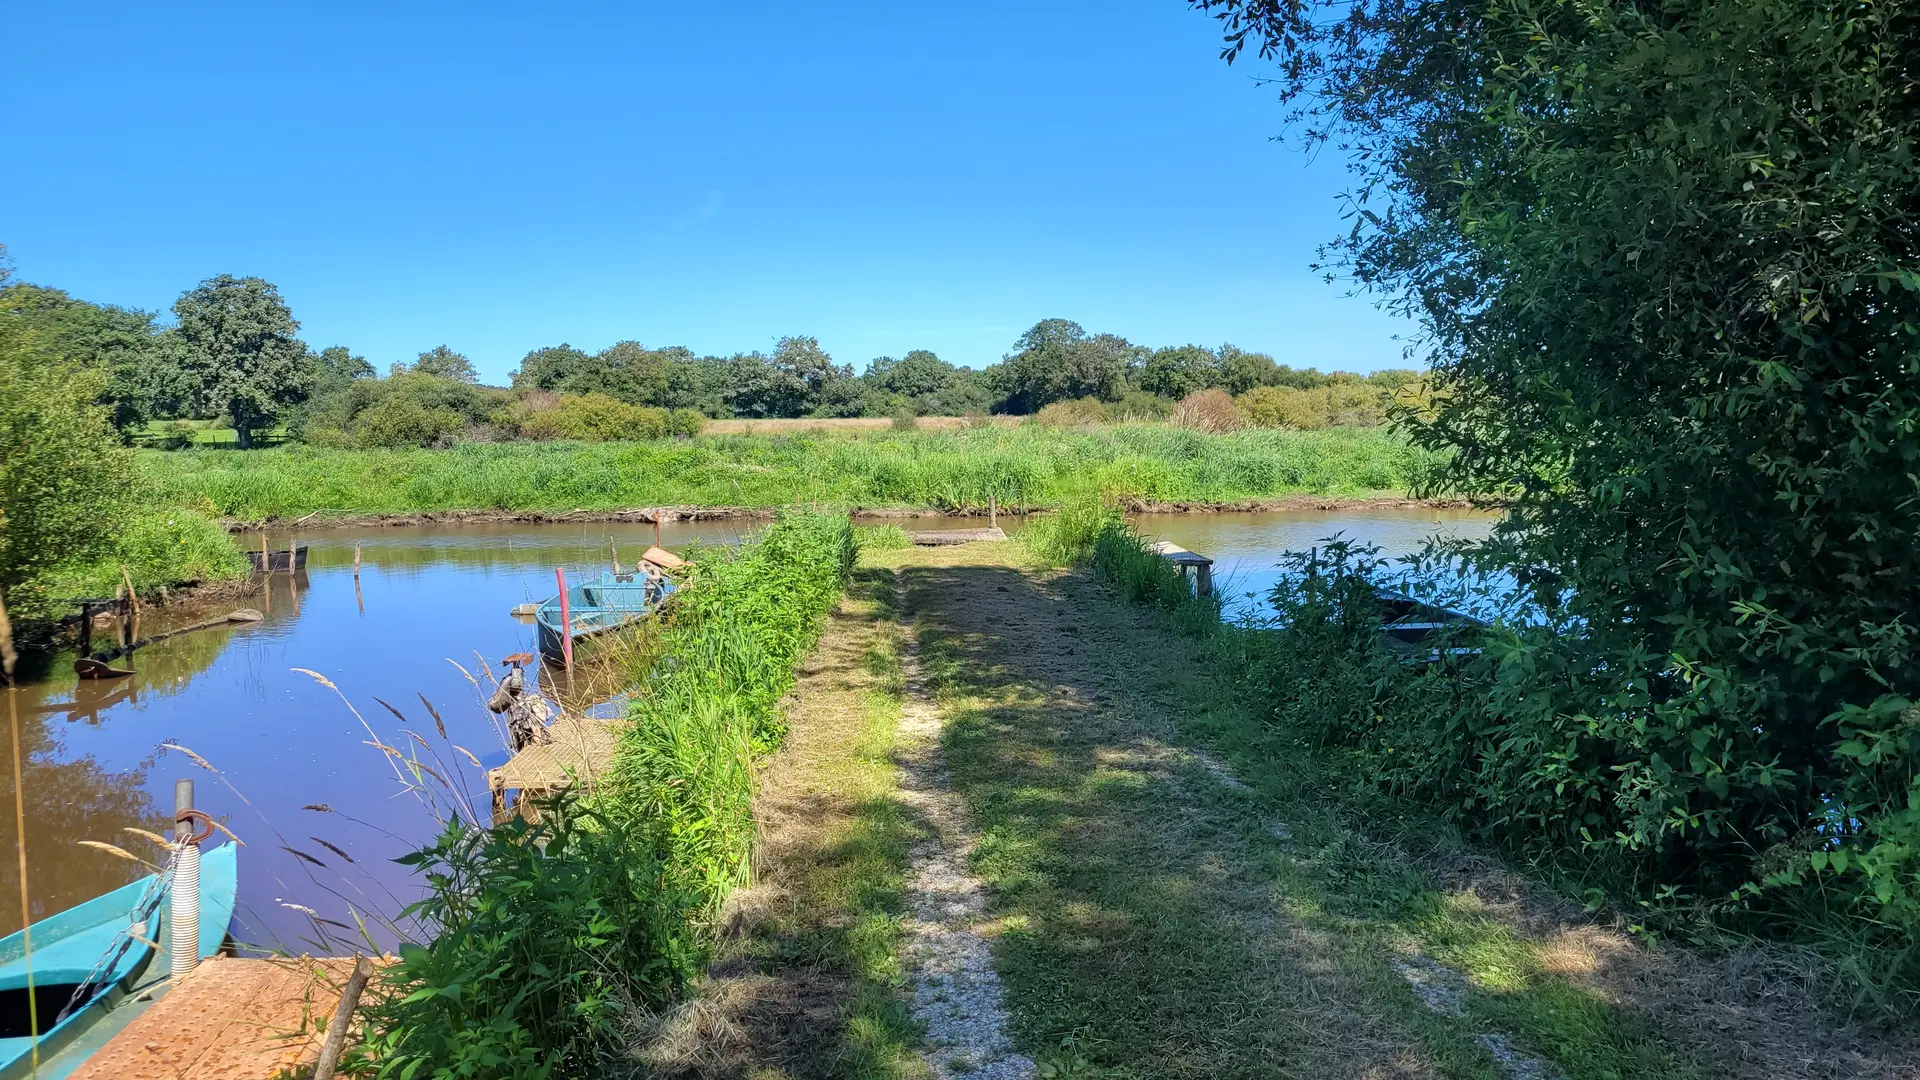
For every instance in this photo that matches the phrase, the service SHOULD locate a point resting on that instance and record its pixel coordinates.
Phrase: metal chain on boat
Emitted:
(144, 908)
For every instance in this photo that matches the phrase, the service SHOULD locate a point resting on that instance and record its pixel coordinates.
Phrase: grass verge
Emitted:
(946, 470)
(807, 978)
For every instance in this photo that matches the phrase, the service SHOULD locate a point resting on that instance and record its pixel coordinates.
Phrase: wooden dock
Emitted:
(946, 537)
(228, 1019)
(1201, 566)
(578, 750)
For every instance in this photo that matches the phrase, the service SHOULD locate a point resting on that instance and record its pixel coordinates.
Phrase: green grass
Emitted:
(948, 470)
(1157, 921)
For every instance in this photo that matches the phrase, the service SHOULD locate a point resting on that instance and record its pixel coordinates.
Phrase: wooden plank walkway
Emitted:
(228, 1019)
(578, 750)
(944, 537)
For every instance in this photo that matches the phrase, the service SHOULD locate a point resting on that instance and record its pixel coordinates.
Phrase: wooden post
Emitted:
(566, 619)
(266, 557)
(1203, 579)
(356, 562)
(993, 510)
(656, 528)
(336, 1044)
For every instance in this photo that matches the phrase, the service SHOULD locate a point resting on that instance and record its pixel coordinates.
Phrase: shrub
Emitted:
(1136, 406)
(1208, 410)
(596, 418)
(1079, 412)
(396, 422)
(538, 941)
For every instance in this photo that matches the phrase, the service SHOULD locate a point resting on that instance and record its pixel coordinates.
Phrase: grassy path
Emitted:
(1165, 894)
(1163, 912)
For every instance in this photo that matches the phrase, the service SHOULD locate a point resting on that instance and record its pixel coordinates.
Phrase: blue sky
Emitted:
(883, 176)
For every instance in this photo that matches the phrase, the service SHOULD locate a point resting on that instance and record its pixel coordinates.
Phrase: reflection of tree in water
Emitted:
(66, 802)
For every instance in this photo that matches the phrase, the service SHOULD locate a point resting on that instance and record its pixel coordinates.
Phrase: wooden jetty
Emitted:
(230, 1019)
(945, 537)
(577, 751)
(1200, 565)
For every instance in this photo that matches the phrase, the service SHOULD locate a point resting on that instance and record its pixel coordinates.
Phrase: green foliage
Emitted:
(1057, 360)
(945, 470)
(160, 546)
(599, 418)
(1673, 318)
(538, 941)
(397, 420)
(1068, 537)
(711, 704)
(409, 409)
(139, 365)
(239, 356)
(64, 479)
(880, 538)
(442, 363)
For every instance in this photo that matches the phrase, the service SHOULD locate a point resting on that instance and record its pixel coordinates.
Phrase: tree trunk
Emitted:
(243, 434)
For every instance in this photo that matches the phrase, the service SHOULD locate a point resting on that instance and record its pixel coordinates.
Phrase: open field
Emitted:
(948, 470)
(853, 423)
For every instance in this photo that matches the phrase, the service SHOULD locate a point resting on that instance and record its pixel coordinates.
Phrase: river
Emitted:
(429, 614)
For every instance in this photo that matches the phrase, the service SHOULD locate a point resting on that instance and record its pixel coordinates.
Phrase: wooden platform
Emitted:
(578, 751)
(945, 537)
(229, 1020)
(1201, 566)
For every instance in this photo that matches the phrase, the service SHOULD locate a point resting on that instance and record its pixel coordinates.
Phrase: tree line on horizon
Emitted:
(232, 353)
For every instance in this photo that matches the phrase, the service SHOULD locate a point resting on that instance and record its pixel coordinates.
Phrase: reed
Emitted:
(959, 470)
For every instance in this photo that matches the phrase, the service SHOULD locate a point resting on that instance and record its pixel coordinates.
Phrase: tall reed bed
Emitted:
(711, 705)
(946, 470)
(552, 942)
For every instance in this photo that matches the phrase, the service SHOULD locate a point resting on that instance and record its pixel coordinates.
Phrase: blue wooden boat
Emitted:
(595, 607)
(90, 960)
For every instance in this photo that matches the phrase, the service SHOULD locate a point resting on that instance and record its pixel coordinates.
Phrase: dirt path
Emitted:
(956, 992)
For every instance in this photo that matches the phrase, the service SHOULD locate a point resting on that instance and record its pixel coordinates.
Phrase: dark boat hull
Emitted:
(279, 562)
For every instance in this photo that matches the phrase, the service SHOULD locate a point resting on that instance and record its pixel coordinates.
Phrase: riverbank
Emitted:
(648, 515)
(878, 471)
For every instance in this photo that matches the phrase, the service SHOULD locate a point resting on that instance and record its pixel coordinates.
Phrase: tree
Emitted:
(1665, 258)
(1057, 361)
(808, 371)
(338, 365)
(240, 355)
(918, 374)
(1180, 370)
(442, 362)
(1241, 371)
(139, 364)
(64, 478)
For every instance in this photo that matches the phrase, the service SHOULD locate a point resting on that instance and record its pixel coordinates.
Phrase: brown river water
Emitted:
(431, 612)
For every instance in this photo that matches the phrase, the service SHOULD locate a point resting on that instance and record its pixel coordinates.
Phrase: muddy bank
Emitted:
(327, 519)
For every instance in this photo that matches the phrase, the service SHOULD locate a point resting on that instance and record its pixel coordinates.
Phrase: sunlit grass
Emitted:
(946, 470)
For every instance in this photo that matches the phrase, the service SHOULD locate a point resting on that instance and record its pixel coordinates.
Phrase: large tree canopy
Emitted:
(241, 356)
(1668, 260)
(139, 365)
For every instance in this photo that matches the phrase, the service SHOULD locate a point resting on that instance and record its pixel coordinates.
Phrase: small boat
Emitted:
(1409, 625)
(94, 966)
(89, 668)
(595, 607)
(279, 562)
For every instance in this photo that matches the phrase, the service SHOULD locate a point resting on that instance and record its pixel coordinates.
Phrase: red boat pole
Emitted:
(566, 619)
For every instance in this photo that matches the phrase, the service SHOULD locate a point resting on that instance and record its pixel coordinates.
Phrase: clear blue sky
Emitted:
(884, 176)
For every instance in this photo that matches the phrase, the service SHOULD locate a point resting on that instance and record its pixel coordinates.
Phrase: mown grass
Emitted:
(947, 470)
(1161, 920)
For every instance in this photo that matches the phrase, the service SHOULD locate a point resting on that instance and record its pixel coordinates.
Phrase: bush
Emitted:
(1137, 406)
(598, 418)
(538, 942)
(1079, 412)
(1208, 410)
(396, 422)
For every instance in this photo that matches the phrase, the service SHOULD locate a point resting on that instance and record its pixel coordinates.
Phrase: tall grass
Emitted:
(554, 940)
(947, 470)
